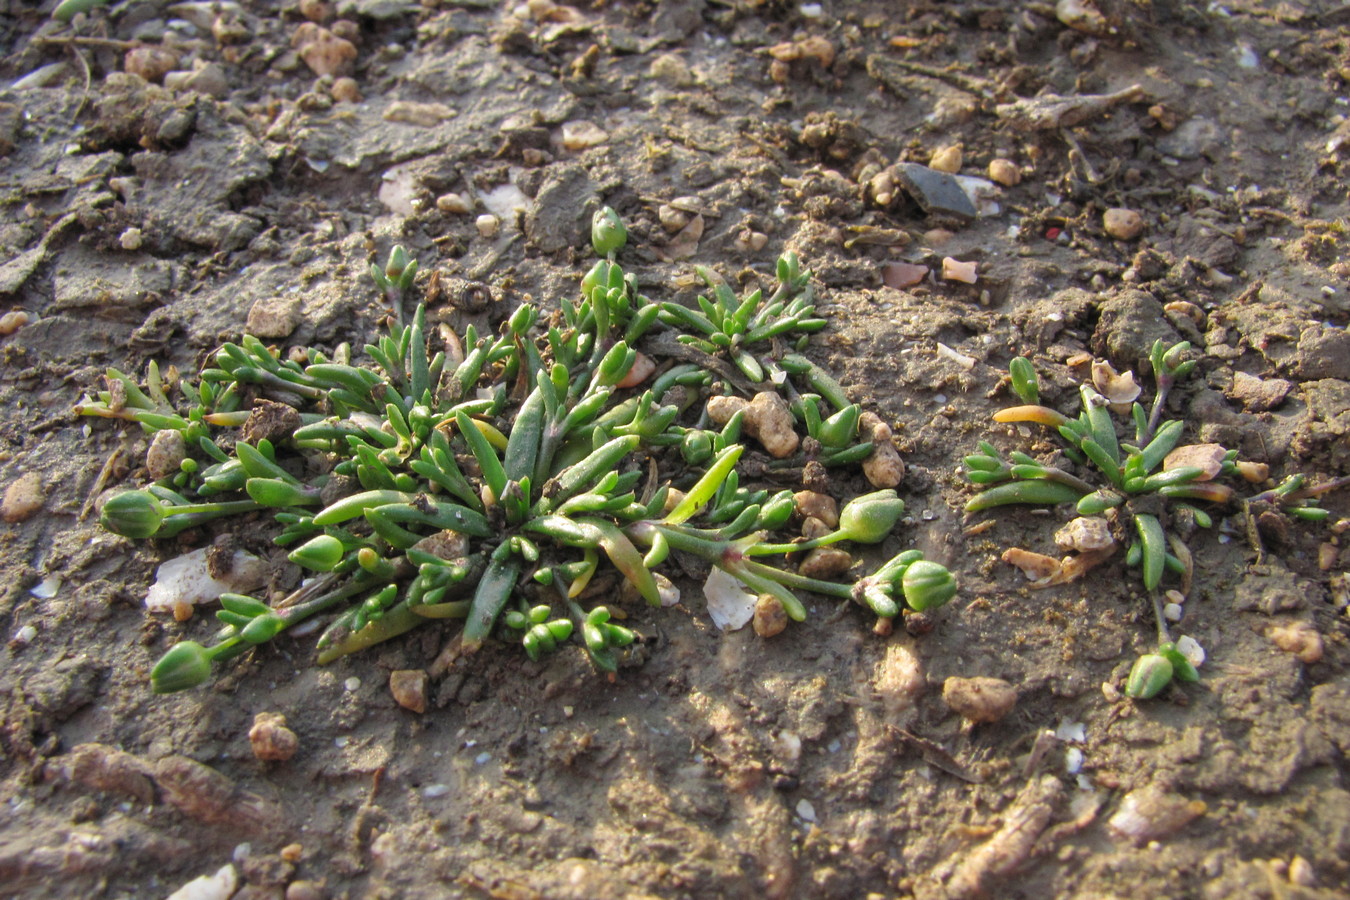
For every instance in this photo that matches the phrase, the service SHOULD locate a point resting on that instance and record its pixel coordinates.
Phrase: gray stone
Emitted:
(937, 193)
(559, 217)
(1192, 139)
(1128, 325)
(111, 286)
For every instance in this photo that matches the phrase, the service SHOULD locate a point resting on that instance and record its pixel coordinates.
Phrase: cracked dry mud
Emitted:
(143, 222)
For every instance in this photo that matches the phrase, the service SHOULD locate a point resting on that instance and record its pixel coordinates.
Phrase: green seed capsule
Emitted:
(870, 518)
(184, 666)
(321, 553)
(927, 585)
(608, 234)
(1149, 675)
(132, 514)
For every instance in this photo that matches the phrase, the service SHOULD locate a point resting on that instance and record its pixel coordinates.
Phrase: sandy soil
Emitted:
(146, 222)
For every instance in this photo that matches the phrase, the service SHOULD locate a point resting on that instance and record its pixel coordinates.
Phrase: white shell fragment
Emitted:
(187, 580)
(956, 270)
(219, 886)
(729, 603)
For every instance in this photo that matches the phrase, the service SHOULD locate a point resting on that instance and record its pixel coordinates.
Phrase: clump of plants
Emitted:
(488, 478)
(1148, 491)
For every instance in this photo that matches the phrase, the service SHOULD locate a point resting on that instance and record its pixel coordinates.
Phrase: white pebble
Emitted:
(806, 810)
(219, 886)
(352, 684)
(46, 588)
(25, 635)
(487, 224)
(1073, 760)
(482, 758)
(1191, 649)
(1172, 612)
(1071, 731)
(432, 791)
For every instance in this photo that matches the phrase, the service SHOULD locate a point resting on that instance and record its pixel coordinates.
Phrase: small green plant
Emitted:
(487, 481)
(1152, 493)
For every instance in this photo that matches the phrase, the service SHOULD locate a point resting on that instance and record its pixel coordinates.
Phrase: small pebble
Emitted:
(1299, 638)
(806, 810)
(13, 320)
(947, 159)
(409, 687)
(1301, 873)
(1122, 224)
(346, 90)
(23, 497)
(270, 739)
(1172, 612)
(25, 635)
(979, 699)
(150, 63)
(131, 239)
(770, 618)
(813, 504)
(454, 204)
(1005, 172)
(488, 225)
(274, 317)
(352, 685)
(305, 890)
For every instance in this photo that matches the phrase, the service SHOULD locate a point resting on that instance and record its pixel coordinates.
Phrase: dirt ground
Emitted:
(142, 222)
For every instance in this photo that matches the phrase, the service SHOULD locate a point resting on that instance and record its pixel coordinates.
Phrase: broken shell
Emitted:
(409, 687)
(1122, 224)
(1119, 389)
(1085, 534)
(979, 699)
(1299, 638)
(1038, 567)
(1253, 472)
(947, 159)
(1188, 309)
(1005, 172)
(770, 618)
(1208, 457)
(1151, 812)
(581, 135)
(902, 274)
(956, 270)
(270, 739)
(323, 51)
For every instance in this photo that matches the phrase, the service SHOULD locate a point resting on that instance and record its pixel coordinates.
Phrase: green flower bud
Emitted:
(517, 620)
(1150, 674)
(321, 553)
(1024, 382)
(133, 514)
(607, 232)
(696, 447)
(869, 518)
(927, 585)
(263, 628)
(186, 665)
(561, 629)
(539, 614)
